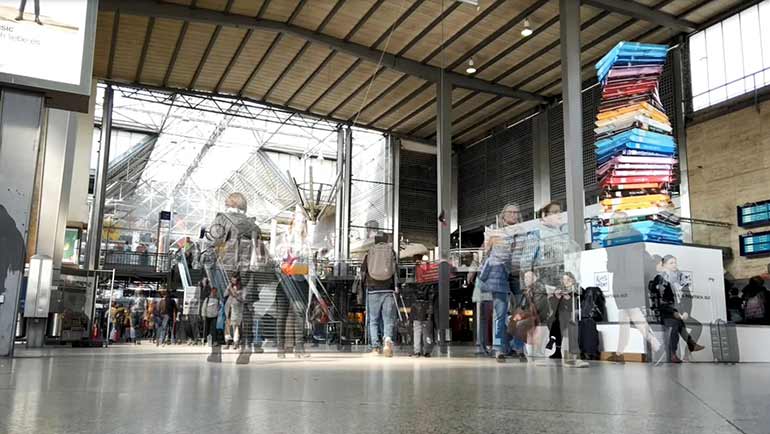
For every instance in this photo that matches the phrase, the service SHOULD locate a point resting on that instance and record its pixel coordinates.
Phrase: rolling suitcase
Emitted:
(724, 342)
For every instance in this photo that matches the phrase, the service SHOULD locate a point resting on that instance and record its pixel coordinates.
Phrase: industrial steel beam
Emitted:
(150, 8)
(569, 11)
(645, 13)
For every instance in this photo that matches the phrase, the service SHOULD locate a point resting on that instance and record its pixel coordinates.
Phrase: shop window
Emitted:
(731, 58)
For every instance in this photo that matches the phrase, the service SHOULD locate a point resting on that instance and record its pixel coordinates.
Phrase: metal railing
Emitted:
(149, 262)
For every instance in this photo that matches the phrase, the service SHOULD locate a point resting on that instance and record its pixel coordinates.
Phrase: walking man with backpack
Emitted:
(380, 281)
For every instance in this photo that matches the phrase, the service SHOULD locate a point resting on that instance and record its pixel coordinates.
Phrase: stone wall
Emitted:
(729, 162)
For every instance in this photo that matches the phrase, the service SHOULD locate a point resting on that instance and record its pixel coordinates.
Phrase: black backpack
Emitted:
(593, 304)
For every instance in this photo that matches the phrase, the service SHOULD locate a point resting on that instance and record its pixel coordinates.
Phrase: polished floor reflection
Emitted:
(114, 391)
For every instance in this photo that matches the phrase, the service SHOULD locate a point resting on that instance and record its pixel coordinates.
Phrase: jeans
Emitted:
(423, 336)
(257, 333)
(567, 327)
(482, 327)
(210, 329)
(165, 328)
(382, 311)
(136, 324)
(500, 316)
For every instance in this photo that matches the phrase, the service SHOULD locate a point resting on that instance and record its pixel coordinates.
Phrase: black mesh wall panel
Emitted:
(418, 197)
(556, 141)
(495, 172)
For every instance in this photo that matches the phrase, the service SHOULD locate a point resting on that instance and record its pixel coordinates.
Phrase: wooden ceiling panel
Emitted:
(428, 115)
(531, 45)
(164, 36)
(600, 27)
(379, 22)
(491, 23)
(281, 10)
(190, 53)
(469, 112)
(315, 88)
(246, 7)
(217, 5)
(360, 76)
(413, 25)
(103, 43)
(439, 33)
(128, 49)
(706, 11)
(284, 51)
(507, 40)
(347, 17)
(312, 14)
(179, 2)
(300, 72)
(250, 56)
(409, 107)
(501, 120)
(219, 57)
(374, 107)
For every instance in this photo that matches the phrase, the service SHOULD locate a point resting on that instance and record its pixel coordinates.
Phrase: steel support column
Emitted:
(444, 185)
(96, 220)
(681, 137)
(347, 174)
(21, 117)
(569, 20)
(395, 152)
(541, 150)
(60, 144)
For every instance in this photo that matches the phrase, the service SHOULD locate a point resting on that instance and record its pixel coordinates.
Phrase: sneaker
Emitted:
(616, 358)
(19, 18)
(580, 364)
(215, 356)
(551, 341)
(696, 347)
(675, 359)
(37, 20)
(243, 357)
(426, 355)
(500, 358)
(375, 352)
(388, 350)
(416, 355)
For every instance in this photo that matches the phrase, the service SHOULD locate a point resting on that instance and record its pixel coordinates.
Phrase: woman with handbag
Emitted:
(563, 305)
(535, 309)
(495, 274)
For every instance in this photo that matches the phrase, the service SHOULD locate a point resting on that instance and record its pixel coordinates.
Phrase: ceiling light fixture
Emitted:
(471, 69)
(527, 30)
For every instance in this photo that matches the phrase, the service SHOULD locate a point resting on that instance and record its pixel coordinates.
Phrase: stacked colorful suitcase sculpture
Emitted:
(635, 149)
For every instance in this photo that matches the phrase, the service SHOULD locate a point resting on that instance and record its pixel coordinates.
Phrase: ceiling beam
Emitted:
(641, 12)
(150, 8)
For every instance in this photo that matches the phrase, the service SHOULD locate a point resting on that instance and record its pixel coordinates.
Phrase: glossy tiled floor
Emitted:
(150, 391)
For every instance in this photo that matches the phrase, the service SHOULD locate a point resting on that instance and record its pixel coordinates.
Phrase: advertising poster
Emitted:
(191, 301)
(43, 39)
(71, 246)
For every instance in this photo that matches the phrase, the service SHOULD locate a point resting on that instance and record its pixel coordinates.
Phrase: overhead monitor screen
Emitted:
(47, 44)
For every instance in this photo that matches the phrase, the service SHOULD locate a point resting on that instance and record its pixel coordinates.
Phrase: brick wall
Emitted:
(729, 161)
